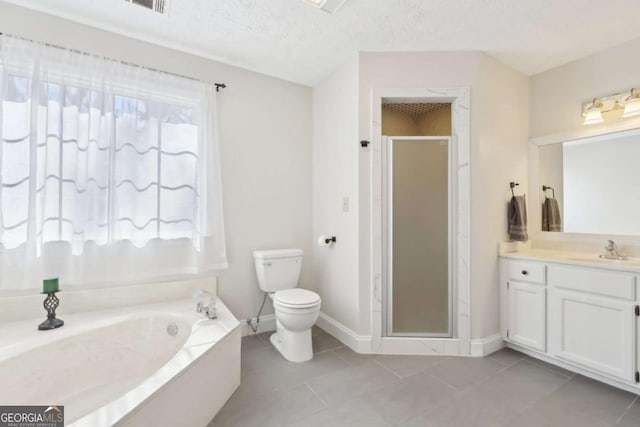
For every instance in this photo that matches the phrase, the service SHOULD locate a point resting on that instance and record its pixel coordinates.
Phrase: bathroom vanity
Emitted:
(559, 300)
(577, 311)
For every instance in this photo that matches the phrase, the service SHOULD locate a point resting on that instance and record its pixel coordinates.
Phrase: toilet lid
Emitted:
(297, 297)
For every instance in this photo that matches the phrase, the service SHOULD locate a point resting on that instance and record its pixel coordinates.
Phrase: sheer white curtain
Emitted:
(109, 171)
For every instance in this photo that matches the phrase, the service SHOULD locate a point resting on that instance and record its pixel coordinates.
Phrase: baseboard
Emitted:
(485, 346)
(357, 343)
(363, 343)
(267, 323)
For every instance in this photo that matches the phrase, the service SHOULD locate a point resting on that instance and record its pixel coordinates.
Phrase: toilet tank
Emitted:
(278, 269)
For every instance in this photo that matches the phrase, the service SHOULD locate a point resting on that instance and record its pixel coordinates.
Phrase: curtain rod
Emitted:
(218, 86)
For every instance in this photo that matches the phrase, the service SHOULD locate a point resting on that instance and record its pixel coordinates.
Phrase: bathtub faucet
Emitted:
(208, 307)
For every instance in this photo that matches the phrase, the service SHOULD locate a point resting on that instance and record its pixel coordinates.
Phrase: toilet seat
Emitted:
(296, 298)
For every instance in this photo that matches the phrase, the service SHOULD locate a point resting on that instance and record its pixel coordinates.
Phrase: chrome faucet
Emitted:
(612, 252)
(208, 308)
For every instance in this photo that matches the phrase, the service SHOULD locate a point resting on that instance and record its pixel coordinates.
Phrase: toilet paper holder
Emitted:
(326, 240)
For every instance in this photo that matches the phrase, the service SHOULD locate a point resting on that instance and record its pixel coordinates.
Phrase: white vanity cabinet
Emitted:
(578, 316)
(592, 319)
(524, 295)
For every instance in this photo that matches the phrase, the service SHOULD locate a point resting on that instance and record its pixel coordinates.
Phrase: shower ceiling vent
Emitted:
(414, 109)
(159, 6)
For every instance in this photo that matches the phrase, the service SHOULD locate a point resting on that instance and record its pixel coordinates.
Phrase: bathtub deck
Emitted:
(188, 388)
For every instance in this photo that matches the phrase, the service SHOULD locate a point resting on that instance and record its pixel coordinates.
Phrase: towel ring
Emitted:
(553, 192)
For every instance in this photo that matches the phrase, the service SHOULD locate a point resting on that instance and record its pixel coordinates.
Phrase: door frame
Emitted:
(460, 342)
(387, 267)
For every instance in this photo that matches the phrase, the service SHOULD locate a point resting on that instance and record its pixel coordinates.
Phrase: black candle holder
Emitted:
(50, 304)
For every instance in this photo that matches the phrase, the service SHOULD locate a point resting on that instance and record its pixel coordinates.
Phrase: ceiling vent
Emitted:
(159, 6)
(330, 6)
(414, 109)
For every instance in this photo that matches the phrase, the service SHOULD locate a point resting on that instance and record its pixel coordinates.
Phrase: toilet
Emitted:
(296, 309)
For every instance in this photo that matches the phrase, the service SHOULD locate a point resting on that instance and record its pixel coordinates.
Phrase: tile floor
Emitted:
(342, 388)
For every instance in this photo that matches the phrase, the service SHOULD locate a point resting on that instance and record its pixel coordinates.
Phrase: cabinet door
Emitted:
(595, 332)
(527, 314)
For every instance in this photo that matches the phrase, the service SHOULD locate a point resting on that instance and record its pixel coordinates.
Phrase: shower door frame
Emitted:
(371, 165)
(387, 238)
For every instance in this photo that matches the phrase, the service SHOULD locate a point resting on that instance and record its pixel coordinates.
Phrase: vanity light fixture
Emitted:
(632, 104)
(628, 101)
(330, 6)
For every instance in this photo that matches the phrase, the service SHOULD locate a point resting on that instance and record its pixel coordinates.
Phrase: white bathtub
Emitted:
(125, 366)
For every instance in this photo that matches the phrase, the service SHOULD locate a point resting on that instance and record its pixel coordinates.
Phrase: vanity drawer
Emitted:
(596, 281)
(526, 271)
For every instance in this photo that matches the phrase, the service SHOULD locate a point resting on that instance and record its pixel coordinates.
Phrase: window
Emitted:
(126, 174)
(96, 152)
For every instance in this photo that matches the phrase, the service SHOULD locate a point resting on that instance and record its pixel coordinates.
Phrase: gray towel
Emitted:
(517, 217)
(551, 215)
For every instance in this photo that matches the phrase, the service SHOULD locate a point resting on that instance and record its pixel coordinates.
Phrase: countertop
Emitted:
(575, 258)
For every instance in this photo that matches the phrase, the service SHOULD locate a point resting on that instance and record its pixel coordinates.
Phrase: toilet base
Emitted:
(294, 346)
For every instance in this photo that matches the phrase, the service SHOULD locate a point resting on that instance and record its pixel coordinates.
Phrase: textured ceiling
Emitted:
(413, 109)
(292, 40)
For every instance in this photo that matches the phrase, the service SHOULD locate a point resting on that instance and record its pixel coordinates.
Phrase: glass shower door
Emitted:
(418, 297)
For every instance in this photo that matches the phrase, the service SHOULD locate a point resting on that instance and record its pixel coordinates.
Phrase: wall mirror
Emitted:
(595, 182)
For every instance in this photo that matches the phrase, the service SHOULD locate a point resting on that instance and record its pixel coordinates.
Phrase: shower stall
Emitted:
(420, 222)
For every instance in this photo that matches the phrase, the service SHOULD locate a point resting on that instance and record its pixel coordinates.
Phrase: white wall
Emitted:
(557, 95)
(499, 133)
(500, 108)
(265, 131)
(335, 174)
